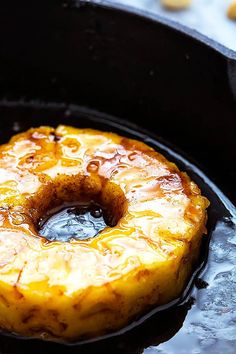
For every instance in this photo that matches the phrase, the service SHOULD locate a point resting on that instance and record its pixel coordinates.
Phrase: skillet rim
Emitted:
(228, 53)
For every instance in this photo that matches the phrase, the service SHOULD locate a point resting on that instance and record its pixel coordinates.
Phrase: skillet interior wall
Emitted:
(127, 66)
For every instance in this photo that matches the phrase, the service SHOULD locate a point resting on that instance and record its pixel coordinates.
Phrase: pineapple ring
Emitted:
(83, 289)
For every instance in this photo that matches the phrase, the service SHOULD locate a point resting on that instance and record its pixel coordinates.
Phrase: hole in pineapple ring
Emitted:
(77, 207)
(79, 221)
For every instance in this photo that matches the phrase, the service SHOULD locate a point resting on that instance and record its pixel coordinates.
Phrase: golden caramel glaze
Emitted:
(82, 289)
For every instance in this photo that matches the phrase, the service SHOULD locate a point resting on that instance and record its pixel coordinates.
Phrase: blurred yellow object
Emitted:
(232, 10)
(176, 4)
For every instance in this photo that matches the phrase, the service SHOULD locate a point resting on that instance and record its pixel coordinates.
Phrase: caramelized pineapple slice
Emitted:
(86, 288)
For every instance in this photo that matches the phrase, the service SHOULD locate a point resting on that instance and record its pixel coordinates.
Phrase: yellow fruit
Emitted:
(85, 288)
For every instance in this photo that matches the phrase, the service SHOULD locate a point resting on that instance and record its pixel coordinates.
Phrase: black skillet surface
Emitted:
(172, 84)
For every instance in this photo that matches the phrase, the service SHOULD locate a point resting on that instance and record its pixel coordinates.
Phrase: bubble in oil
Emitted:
(16, 126)
(17, 218)
(132, 156)
(93, 166)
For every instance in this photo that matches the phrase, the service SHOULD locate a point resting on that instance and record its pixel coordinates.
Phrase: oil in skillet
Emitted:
(67, 222)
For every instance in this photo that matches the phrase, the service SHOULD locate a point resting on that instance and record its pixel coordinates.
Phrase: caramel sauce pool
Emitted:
(204, 318)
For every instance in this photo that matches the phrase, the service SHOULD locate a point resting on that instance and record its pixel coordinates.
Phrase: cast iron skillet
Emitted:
(57, 57)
